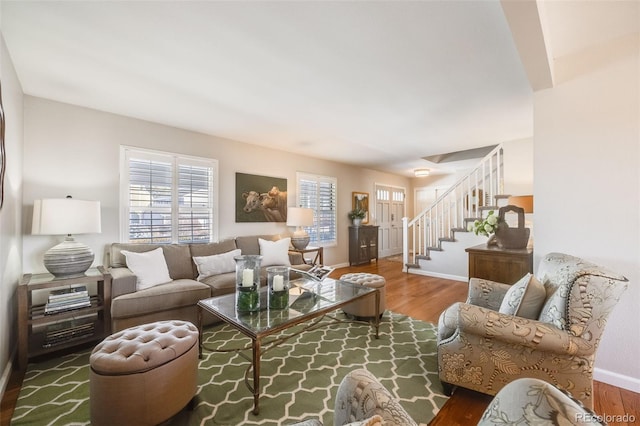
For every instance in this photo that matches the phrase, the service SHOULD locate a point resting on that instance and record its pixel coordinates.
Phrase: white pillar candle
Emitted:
(247, 277)
(278, 283)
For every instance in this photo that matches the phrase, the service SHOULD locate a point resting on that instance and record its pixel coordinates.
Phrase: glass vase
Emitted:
(278, 287)
(248, 283)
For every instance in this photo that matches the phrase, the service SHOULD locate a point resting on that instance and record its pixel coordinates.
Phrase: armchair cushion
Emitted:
(524, 299)
(486, 293)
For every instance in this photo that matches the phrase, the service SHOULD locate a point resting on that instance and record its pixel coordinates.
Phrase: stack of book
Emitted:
(67, 299)
(62, 332)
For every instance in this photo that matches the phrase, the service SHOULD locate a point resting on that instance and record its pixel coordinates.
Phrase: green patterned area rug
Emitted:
(299, 379)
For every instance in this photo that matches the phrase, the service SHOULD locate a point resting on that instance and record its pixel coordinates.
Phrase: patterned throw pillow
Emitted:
(525, 298)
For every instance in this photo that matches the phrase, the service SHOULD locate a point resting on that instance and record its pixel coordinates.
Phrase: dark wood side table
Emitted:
(502, 265)
(319, 251)
(33, 322)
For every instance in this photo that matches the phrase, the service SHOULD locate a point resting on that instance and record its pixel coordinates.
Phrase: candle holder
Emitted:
(278, 287)
(248, 283)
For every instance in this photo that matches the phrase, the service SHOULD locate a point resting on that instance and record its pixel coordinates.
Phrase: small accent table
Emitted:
(309, 300)
(319, 251)
(502, 265)
(40, 333)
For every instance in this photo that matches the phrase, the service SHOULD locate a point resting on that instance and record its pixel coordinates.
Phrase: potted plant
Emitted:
(356, 215)
(487, 227)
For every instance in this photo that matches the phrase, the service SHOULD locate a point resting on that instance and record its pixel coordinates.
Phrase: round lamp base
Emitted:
(69, 259)
(300, 243)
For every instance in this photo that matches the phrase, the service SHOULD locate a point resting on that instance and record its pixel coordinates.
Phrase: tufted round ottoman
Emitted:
(144, 375)
(366, 308)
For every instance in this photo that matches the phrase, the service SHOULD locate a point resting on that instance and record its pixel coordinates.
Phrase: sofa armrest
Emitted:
(486, 293)
(514, 330)
(123, 281)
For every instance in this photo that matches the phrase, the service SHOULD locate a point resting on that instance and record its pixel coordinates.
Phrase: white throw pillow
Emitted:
(275, 252)
(216, 264)
(150, 267)
(525, 298)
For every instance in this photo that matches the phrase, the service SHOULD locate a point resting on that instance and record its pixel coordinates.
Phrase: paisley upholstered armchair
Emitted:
(546, 327)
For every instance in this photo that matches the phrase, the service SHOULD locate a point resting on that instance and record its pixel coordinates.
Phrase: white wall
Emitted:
(75, 151)
(518, 167)
(587, 192)
(10, 214)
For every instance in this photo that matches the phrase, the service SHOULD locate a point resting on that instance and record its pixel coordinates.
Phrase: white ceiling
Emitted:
(379, 84)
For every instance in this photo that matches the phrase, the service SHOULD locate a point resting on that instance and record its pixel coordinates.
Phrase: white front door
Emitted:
(390, 208)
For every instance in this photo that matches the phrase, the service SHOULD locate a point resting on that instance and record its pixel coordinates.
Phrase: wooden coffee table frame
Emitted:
(258, 347)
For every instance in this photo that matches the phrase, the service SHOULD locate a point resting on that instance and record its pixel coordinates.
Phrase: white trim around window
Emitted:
(320, 193)
(167, 197)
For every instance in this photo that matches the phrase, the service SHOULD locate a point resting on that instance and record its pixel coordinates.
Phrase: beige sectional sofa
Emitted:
(176, 299)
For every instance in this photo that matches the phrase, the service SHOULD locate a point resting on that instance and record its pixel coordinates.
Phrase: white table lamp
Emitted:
(66, 216)
(299, 217)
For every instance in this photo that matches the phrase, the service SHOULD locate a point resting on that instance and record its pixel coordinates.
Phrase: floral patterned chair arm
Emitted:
(362, 400)
(522, 332)
(536, 402)
(486, 293)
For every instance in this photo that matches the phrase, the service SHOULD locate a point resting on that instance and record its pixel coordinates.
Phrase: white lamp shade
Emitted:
(299, 216)
(63, 216)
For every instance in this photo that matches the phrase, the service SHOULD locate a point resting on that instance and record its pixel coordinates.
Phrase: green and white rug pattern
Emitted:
(299, 378)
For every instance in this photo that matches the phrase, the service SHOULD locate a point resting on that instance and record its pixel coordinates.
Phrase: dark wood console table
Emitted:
(501, 265)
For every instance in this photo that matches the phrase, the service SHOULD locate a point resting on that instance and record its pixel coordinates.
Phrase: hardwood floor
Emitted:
(425, 298)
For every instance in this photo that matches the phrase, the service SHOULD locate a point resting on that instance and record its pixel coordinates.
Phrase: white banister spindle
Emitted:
(461, 201)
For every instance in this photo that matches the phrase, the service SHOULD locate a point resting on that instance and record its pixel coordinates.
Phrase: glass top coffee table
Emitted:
(308, 299)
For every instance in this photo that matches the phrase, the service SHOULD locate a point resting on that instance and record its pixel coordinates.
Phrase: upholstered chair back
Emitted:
(580, 295)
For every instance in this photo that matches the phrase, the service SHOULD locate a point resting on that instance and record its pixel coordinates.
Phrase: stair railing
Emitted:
(460, 205)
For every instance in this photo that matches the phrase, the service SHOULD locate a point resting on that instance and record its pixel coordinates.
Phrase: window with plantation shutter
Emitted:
(167, 198)
(320, 194)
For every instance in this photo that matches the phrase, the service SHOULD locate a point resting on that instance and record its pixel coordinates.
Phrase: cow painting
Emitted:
(274, 207)
(260, 199)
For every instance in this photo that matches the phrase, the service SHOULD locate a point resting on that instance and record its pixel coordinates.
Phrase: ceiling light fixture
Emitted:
(421, 172)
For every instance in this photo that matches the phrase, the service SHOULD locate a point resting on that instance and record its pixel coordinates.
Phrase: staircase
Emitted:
(467, 200)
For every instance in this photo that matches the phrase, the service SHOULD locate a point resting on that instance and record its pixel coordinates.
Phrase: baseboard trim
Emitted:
(437, 275)
(6, 375)
(616, 379)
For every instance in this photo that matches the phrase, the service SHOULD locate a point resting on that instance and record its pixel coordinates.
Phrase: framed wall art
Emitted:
(360, 200)
(260, 198)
